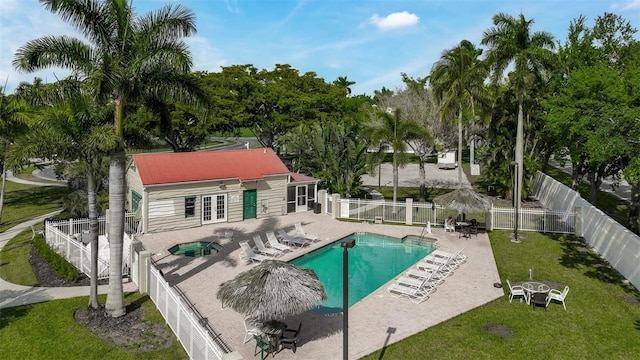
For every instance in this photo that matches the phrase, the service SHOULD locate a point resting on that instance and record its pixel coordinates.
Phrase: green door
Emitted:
(250, 204)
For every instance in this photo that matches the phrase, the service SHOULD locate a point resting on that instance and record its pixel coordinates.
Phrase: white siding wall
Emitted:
(166, 202)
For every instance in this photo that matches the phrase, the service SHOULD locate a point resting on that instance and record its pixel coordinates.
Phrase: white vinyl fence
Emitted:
(619, 246)
(69, 238)
(78, 253)
(193, 330)
(541, 220)
(81, 226)
(409, 212)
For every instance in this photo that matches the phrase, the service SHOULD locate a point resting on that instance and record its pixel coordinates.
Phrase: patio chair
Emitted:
(416, 295)
(473, 228)
(264, 346)
(556, 295)
(250, 330)
(247, 252)
(302, 234)
(262, 249)
(274, 243)
(289, 339)
(516, 290)
(291, 240)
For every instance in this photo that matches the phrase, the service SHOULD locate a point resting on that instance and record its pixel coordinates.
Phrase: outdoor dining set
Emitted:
(537, 294)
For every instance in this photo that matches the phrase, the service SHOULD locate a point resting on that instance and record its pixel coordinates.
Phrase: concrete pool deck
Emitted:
(374, 322)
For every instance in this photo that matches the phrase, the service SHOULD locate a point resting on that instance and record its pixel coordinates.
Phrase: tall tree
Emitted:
(13, 123)
(391, 129)
(510, 40)
(343, 83)
(75, 130)
(457, 81)
(126, 58)
(417, 102)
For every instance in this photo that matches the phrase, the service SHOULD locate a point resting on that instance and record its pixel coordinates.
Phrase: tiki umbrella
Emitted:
(272, 290)
(464, 200)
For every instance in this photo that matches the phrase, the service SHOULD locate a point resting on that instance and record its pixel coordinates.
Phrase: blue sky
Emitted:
(369, 41)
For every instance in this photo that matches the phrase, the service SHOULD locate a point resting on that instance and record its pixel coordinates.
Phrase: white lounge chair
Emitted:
(301, 233)
(247, 252)
(457, 256)
(274, 243)
(415, 294)
(556, 295)
(262, 249)
(517, 290)
(291, 240)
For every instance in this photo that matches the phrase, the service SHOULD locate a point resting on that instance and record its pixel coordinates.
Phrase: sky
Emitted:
(371, 42)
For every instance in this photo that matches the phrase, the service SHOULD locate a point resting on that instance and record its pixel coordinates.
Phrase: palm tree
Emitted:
(343, 83)
(127, 58)
(457, 81)
(75, 130)
(395, 132)
(511, 40)
(13, 118)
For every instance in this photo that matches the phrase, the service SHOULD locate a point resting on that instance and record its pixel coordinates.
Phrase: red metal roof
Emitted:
(169, 168)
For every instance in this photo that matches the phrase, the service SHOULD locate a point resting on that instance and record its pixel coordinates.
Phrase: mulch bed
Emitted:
(128, 332)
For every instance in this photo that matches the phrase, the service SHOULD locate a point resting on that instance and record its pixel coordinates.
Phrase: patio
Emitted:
(377, 320)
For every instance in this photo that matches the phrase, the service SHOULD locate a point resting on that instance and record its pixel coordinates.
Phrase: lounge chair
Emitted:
(434, 276)
(416, 295)
(247, 252)
(458, 257)
(301, 233)
(274, 243)
(291, 240)
(260, 248)
(517, 290)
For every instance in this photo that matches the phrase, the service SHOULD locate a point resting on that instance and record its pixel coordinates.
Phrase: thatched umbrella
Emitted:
(272, 290)
(464, 200)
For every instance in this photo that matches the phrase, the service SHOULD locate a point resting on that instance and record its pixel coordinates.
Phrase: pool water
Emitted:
(194, 249)
(373, 261)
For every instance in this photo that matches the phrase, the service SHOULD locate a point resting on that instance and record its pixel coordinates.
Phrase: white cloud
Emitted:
(394, 20)
(626, 5)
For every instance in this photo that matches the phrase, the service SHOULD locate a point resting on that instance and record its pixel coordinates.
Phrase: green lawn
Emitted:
(23, 202)
(49, 331)
(602, 320)
(14, 260)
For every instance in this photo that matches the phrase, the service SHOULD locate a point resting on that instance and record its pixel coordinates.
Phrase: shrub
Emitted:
(57, 262)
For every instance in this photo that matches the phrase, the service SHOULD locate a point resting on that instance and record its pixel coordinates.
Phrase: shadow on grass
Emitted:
(637, 324)
(577, 254)
(12, 314)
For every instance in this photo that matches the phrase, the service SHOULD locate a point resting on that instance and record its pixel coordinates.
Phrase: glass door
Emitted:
(214, 208)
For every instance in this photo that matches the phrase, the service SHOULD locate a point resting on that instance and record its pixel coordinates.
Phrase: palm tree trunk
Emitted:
(93, 235)
(460, 147)
(520, 148)
(115, 298)
(395, 176)
(4, 179)
(423, 177)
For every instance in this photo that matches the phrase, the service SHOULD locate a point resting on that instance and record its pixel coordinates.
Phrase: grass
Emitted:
(49, 331)
(23, 202)
(602, 318)
(14, 260)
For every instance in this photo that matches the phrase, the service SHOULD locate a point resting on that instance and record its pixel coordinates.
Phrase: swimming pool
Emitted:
(374, 260)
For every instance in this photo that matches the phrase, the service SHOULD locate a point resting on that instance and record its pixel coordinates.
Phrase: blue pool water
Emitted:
(374, 260)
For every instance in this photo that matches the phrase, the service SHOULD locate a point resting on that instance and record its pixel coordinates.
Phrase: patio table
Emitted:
(533, 287)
